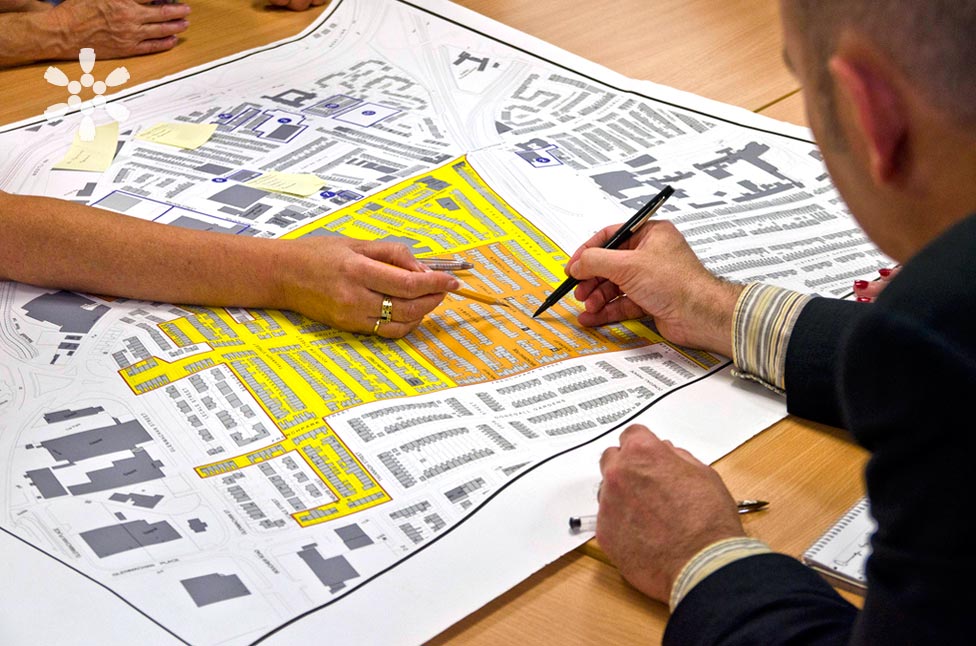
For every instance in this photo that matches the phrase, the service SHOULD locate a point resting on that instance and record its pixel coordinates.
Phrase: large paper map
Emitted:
(225, 476)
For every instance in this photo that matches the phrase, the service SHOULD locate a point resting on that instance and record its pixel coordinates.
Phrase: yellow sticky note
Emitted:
(299, 184)
(181, 135)
(94, 155)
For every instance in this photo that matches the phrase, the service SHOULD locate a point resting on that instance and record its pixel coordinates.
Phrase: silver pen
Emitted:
(579, 524)
(746, 506)
(446, 264)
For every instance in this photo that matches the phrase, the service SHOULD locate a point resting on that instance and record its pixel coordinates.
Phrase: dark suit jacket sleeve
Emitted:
(759, 601)
(813, 356)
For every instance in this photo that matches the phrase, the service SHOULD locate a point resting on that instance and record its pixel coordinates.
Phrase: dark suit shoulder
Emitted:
(936, 288)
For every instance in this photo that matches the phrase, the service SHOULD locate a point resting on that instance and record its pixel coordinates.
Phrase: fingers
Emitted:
(604, 273)
(866, 291)
(887, 274)
(410, 310)
(644, 435)
(297, 5)
(604, 302)
(405, 314)
(608, 457)
(595, 246)
(392, 254)
(343, 282)
(636, 433)
(164, 12)
(155, 45)
(639, 435)
(595, 293)
(585, 288)
(393, 270)
(388, 329)
(599, 239)
(394, 330)
(611, 264)
(161, 30)
(620, 309)
(632, 434)
(401, 283)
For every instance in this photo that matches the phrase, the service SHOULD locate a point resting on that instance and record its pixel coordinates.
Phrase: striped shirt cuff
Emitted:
(761, 326)
(710, 559)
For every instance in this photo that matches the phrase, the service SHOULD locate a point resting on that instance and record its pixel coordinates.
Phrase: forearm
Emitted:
(53, 243)
(28, 36)
(713, 316)
(23, 5)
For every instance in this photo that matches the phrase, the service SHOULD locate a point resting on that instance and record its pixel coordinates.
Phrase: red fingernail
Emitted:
(885, 272)
(860, 284)
(863, 299)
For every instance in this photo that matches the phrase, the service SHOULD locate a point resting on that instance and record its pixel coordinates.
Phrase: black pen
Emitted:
(619, 237)
(579, 524)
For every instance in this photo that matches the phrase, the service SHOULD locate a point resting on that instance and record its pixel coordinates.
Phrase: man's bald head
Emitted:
(932, 42)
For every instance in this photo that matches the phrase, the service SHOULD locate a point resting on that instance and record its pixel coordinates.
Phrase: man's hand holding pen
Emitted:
(655, 274)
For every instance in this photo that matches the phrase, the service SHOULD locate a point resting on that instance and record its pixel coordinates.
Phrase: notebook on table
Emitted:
(841, 552)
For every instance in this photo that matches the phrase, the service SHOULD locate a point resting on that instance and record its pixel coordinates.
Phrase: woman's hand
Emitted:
(342, 282)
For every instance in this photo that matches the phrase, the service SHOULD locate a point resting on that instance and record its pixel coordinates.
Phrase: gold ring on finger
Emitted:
(386, 313)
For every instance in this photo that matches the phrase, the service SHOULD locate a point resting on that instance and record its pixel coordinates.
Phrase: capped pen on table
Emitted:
(620, 236)
(746, 506)
(579, 524)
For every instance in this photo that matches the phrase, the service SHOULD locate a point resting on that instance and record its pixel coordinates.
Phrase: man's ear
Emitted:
(873, 100)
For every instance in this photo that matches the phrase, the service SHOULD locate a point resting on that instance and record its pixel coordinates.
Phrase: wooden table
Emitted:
(218, 28)
(729, 50)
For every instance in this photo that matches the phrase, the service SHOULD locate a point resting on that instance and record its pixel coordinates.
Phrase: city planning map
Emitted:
(235, 476)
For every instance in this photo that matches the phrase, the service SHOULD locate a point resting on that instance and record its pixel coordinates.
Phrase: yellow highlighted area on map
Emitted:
(300, 371)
